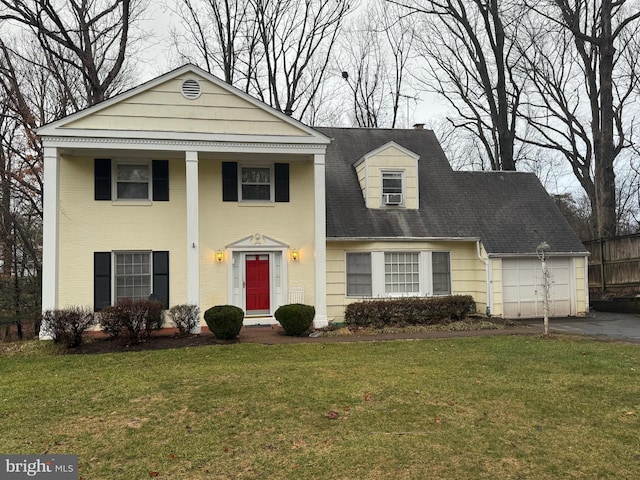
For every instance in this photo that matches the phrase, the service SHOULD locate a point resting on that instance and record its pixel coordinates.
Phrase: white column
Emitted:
(193, 232)
(320, 215)
(50, 235)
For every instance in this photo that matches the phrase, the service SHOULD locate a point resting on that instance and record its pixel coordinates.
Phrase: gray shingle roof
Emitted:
(509, 211)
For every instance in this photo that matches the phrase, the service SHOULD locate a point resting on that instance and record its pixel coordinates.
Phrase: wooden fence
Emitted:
(614, 264)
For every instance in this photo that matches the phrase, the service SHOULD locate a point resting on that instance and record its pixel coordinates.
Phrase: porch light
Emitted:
(295, 254)
(219, 255)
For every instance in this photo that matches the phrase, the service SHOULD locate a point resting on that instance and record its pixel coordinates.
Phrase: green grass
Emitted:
(471, 408)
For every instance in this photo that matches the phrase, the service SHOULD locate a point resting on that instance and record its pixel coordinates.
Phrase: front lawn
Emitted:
(469, 408)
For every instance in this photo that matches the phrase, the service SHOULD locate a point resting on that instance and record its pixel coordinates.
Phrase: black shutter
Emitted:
(102, 177)
(160, 174)
(161, 277)
(229, 182)
(281, 171)
(101, 280)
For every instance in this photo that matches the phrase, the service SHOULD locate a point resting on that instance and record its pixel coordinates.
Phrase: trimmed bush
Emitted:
(67, 325)
(224, 321)
(295, 318)
(186, 317)
(402, 312)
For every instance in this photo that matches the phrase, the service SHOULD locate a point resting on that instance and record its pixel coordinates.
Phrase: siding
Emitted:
(164, 108)
(224, 223)
(468, 273)
(88, 226)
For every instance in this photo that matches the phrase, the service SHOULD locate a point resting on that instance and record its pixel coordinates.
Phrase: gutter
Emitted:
(403, 239)
(534, 254)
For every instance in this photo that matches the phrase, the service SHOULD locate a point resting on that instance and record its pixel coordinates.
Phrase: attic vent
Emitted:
(191, 89)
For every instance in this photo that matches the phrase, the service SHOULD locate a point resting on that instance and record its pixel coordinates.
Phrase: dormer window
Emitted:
(392, 188)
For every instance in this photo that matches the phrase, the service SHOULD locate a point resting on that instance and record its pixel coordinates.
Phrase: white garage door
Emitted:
(522, 287)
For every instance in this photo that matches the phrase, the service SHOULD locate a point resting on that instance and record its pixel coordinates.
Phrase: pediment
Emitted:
(186, 101)
(257, 241)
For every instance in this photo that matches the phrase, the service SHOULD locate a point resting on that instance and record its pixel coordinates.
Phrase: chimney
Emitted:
(418, 126)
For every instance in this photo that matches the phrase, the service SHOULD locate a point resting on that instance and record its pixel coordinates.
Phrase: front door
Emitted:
(257, 284)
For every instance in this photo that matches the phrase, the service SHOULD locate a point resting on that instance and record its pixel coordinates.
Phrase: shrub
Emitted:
(138, 318)
(155, 318)
(408, 311)
(186, 317)
(224, 321)
(67, 325)
(295, 318)
(111, 321)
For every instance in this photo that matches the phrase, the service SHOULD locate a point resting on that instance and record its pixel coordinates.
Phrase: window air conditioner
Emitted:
(392, 198)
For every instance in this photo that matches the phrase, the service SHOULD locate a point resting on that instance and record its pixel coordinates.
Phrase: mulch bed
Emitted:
(266, 335)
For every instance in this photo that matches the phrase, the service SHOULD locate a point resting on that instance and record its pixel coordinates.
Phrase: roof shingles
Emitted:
(509, 211)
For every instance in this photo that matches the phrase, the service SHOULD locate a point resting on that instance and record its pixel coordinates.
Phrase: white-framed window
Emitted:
(133, 180)
(132, 275)
(256, 183)
(402, 272)
(397, 273)
(441, 273)
(392, 187)
(358, 271)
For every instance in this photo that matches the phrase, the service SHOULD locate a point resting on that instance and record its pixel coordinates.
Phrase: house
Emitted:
(191, 190)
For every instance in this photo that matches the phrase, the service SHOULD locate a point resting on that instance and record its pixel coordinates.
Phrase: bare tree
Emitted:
(364, 63)
(276, 50)
(297, 38)
(582, 64)
(470, 62)
(222, 33)
(90, 36)
(375, 53)
(55, 58)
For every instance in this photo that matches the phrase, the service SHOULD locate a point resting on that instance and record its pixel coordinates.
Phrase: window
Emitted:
(359, 274)
(441, 271)
(392, 188)
(132, 275)
(256, 183)
(133, 181)
(401, 272)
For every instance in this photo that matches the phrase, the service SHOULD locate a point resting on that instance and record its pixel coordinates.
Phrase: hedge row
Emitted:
(408, 311)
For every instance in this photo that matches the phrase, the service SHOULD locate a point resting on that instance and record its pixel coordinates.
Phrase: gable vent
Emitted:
(191, 89)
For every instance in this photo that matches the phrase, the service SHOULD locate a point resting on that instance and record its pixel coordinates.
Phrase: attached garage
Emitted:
(522, 292)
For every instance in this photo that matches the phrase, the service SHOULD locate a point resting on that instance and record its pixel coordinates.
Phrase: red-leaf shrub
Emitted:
(138, 318)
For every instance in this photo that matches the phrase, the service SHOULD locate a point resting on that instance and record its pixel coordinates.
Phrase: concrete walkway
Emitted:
(615, 326)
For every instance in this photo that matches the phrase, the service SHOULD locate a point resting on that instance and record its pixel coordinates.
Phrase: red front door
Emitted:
(257, 284)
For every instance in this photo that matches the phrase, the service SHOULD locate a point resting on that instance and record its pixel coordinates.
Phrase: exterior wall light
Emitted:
(219, 255)
(295, 254)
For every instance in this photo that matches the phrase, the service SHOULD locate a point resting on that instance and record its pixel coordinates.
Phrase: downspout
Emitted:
(489, 278)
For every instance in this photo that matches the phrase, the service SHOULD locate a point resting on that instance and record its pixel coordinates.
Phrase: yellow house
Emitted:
(190, 190)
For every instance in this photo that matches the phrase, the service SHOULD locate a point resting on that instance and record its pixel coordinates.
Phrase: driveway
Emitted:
(616, 326)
